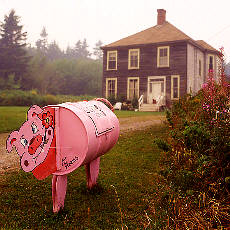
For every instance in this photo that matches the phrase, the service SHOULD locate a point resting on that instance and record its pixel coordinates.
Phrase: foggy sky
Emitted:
(68, 21)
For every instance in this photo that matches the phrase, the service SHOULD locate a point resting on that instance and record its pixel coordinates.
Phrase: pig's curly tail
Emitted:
(106, 102)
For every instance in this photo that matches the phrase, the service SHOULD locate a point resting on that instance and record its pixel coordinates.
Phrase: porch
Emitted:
(156, 105)
(155, 97)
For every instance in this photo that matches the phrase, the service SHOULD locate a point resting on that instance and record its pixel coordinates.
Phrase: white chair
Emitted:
(117, 106)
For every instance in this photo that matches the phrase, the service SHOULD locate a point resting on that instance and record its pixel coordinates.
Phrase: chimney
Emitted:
(161, 16)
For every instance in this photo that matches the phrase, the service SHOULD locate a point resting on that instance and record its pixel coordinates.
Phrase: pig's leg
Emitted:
(59, 185)
(92, 171)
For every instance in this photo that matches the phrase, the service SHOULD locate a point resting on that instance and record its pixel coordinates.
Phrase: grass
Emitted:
(12, 117)
(126, 114)
(126, 184)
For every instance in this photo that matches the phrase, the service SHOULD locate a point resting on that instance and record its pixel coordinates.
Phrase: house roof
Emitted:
(205, 45)
(158, 34)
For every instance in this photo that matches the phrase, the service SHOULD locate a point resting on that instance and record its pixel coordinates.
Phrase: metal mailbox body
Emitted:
(84, 131)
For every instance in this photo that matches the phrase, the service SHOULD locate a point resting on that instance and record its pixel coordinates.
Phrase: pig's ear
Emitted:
(12, 140)
(33, 111)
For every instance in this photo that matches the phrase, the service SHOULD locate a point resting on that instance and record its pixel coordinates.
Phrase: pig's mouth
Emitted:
(35, 158)
(40, 150)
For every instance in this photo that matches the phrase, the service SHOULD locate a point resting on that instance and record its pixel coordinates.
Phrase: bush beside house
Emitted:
(196, 159)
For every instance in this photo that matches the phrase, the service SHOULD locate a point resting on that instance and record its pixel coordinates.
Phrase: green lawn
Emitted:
(123, 114)
(12, 117)
(126, 186)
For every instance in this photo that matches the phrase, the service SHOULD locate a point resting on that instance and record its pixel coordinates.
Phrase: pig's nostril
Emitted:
(26, 163)
(49, 132)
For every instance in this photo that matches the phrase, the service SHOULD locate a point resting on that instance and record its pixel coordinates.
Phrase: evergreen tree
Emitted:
(42, 43)
(81, 49)
(13, 55)
(97, 50)
(54, 51)
(70, 53)
(77, 49)
(84, 49)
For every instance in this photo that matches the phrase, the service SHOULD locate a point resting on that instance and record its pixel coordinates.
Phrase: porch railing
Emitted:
(140, 101)
(161, 100)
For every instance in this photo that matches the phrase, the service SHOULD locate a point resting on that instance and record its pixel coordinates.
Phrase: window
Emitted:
(200, 68)
(111, 60)
(210, 62)
(175, 87)
(163, 56)
(133, 88)
(111, 87)
(134, 55)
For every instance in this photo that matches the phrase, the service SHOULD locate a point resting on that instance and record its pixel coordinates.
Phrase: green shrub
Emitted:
(19, 98)
(49, 100)
(134, 102)
(196, 137)
(71, 98)
(184, 180)
(162, 144)
(124, 106)
(112, 99)
(121, 98)
(195, 133)
(28, 98)
(198, 161)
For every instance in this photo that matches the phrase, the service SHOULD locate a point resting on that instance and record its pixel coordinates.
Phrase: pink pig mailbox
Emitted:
(57, 139)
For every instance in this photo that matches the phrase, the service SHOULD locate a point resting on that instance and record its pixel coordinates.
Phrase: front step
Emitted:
(149, 108)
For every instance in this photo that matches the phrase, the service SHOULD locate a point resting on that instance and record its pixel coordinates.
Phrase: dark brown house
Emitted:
(157, 65)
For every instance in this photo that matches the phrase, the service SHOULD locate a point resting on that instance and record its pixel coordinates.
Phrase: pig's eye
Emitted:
(24, 142)
(34, 128)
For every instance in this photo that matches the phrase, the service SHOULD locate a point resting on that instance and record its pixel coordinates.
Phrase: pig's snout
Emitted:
(35, 142)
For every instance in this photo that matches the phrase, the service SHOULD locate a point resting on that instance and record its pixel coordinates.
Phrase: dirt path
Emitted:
(139, 123)
(10, 161)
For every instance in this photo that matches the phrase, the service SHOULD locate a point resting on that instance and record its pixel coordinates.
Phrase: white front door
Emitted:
(154, 91)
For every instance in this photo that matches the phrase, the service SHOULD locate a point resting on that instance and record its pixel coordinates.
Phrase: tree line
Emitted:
(46, 67)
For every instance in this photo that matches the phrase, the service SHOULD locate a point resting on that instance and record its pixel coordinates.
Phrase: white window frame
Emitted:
(178, 82)
(213, 64)
(138, 59)
(158, 56)
(138, 84)
(107, 82)
(108, 55)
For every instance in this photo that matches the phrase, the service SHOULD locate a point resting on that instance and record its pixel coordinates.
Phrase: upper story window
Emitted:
(112, 60)
(163, 56)
(210, 62)
(134, 56)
